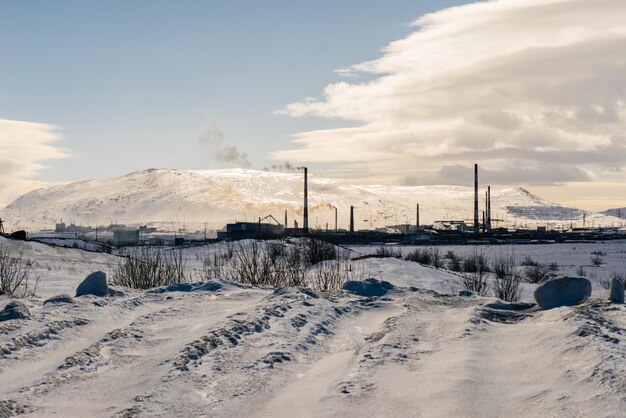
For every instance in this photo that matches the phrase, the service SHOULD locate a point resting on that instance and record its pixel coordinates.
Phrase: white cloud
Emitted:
(24, 146)
(535, 85)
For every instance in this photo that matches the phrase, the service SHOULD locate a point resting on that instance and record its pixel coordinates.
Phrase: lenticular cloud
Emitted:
(533, 83)
(23, 148)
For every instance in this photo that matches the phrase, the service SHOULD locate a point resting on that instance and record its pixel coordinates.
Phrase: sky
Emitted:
(396, 92)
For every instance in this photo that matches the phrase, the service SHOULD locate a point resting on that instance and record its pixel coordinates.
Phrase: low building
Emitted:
(250, 230)
(125, 236)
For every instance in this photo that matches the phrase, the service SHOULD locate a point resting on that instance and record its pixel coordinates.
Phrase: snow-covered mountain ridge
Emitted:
(175, 199)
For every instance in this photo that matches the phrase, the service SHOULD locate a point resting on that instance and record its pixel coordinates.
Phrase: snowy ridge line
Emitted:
(186, 199)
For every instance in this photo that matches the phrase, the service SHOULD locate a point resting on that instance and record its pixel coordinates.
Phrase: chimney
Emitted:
(476, 198)
(489, 208)
(484, 223)
(417, 215)
(306, 200)
(335, 218)
(286, 224)
(351, 218)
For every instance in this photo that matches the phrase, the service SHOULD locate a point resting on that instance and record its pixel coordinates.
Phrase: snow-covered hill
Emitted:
(189, 199)
(616, 212)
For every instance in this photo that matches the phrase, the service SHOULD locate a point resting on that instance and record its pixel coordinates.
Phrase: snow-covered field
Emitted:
(234, 350)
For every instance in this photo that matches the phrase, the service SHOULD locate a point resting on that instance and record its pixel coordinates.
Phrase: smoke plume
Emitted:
(214, 138)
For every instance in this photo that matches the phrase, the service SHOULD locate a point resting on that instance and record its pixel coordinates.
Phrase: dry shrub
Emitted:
(475, 268)
(147, 267)
(536, 273)
(390, 252)
(16, 278)
(426, 256)
(506, 283)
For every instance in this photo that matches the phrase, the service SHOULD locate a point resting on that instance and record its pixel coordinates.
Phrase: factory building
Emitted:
(250, 230)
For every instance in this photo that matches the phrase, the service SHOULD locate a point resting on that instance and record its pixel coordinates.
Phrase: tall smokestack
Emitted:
(286, 225)
(417, 215)
(335, 218)
(306, 200)
(476, 198)
(489, 208)
(484, 223)
(351, 218)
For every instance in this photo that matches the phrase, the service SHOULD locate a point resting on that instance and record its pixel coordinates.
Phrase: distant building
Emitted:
(458, 226)
(248, 230)
(125, 236)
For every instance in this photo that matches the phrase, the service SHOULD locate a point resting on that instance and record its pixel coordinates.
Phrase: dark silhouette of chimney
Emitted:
(476, 198)
(306, 200)
(351, 218)
(488, 208)
(417, 215)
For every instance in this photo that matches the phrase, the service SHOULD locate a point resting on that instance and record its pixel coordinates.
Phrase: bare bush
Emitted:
(328, 276)
(426, 256)
(475, 268)
(596, 260)
(528, 261)
(536, 273)
(275, 250)
(506, 283)
(455, 263)
(16, 278)
(553, 266)
(316, 251)
(580, 271)
(295, 267)
(278, 264)
(475, 262)
(449, 255)
(385, 251)
(146, 267)
(250, 264)
(475, 281)
(435, 258)
(419, 255)
(214, 265)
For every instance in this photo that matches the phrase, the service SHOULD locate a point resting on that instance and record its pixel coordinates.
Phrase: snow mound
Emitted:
(368, 287)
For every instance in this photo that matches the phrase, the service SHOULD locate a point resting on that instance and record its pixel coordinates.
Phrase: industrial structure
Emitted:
(479, 227)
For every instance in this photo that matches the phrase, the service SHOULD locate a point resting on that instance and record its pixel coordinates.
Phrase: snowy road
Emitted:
(234, 351)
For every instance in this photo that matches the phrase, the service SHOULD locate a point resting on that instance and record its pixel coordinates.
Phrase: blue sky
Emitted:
(532, 90)
(131, 83)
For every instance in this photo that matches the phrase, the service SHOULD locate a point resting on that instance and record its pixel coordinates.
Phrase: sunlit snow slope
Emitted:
(174, 199)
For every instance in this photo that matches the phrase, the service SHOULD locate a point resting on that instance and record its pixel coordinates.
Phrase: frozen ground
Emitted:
(420, 350)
